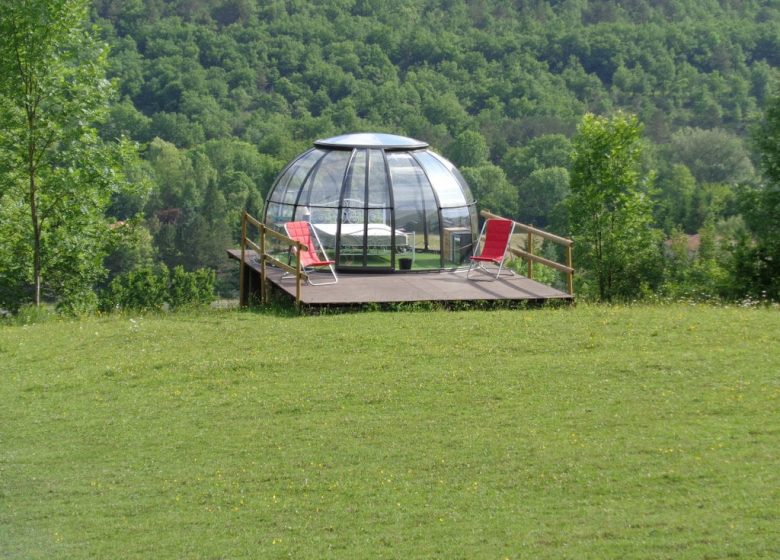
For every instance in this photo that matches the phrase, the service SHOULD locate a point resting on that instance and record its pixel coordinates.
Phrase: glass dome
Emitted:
(378, 202)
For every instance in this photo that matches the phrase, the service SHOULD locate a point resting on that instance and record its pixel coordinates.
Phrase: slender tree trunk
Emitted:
(36, 255)
(33, 195)
(600, 261)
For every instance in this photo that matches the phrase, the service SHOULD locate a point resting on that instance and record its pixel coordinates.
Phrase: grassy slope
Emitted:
(579, 433)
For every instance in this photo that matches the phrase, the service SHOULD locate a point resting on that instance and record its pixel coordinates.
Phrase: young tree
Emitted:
(758, 262)
(609, 207)
(57, 174)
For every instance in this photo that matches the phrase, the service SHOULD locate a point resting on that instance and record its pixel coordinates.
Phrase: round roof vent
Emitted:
(371, 140)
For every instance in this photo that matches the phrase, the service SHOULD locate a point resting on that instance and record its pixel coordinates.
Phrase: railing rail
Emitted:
(264, 233)
(529, 256)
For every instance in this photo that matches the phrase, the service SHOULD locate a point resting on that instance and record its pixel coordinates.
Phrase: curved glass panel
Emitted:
(355, 184)
(448, 190)
(412, 194)
(290, 182)
(463, 185)
(277, 215)
(378, 202)
(456, 217)
(324, 185)
(378, 190)
(416, 213)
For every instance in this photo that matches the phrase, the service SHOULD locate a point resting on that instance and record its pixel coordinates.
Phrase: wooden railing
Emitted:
(264, 258)
(529, 256)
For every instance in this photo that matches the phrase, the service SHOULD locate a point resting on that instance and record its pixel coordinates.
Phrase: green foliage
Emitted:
(609, 208)
(469, 149)
(675, 198)
(541, 196)
(698, 273)
(143, 289)
(131, 247)
(57, 175)
(757, 260)
(151, 288)
(551, 150)
(29, 314)
(712, 156)
(222, 94)
(767, 140)
(491, 189)
(541, 273)
(14, 271)
(189, 289)
(588, 432)
(194, 214)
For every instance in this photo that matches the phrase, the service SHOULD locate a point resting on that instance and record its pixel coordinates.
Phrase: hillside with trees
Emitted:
(220, 94)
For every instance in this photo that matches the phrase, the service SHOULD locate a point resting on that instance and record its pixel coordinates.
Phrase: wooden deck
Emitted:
(356, 288)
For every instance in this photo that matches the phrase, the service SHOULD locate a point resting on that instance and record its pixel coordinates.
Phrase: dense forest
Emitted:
(220, 94)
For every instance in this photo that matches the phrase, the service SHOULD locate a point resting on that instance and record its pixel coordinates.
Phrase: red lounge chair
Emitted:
(310, 260)
(497, 234)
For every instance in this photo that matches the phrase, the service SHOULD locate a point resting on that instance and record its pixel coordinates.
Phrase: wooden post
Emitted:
(570, 275)
(530, 249)
(298, 276)
(263, 285)
(242, 297)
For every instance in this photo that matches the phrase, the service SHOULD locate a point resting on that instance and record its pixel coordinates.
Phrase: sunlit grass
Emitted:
(590, 432)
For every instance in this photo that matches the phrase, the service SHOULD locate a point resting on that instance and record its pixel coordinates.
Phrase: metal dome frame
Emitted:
(378, 201)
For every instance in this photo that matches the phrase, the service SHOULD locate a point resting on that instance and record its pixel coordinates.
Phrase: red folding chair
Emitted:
(310, 259)
(498, 234)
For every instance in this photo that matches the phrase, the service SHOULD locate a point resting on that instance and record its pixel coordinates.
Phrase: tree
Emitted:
(57, 175)
(540, 196)
(609, 208)
(758, 262)
(712, 156)
(491, 189)
(469, 149)
(676, 191)
(550, 150)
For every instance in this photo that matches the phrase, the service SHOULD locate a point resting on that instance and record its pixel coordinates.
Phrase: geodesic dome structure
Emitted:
(378, 202)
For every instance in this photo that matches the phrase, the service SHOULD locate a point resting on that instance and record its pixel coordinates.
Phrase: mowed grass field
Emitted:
(588, 432)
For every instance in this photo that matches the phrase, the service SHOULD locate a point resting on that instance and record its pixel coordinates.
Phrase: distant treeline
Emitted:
(220, 94)
(225, 92)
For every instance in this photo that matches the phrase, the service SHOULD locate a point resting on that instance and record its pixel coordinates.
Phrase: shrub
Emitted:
(191, 288)
(152, 288)
(77, 302)
(143, 289)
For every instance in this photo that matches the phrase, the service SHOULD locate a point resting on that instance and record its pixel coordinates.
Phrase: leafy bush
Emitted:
(77, 301)
(152, 288)
(145, 289)
(191, 288)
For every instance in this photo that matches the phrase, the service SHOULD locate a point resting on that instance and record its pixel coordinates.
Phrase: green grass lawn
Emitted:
(588, 432)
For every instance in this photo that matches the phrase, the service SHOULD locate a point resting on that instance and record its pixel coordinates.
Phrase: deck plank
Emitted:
(356, 288)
